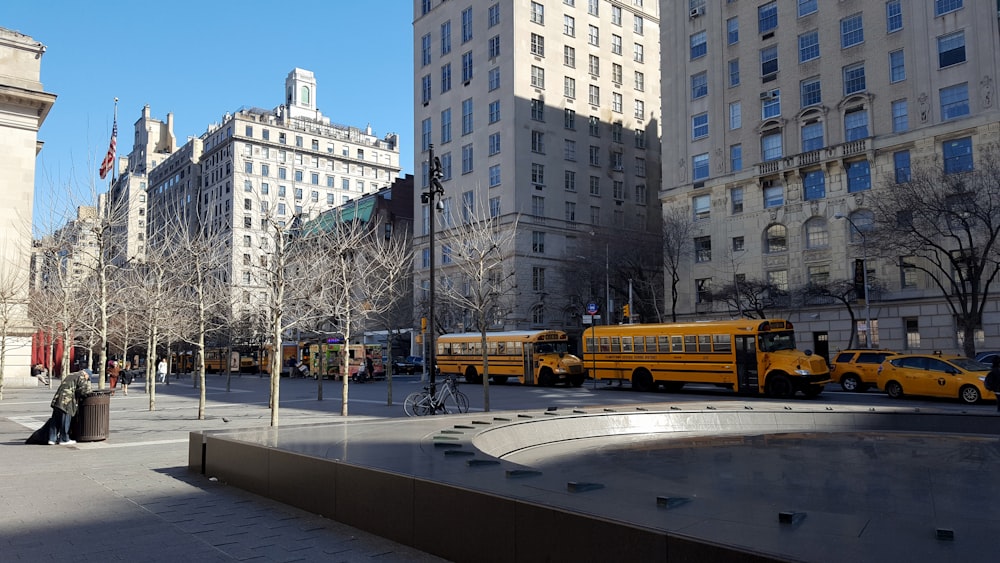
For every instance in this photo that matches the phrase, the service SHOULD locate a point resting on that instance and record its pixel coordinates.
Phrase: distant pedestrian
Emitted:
(370, 366)
(126, 378)
(992, 382)
(161, 370)
(64, 405)
(114, 370)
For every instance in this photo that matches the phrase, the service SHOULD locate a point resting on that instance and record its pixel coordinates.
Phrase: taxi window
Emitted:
(938, 365)
(844, 357)
(870, 358)
(915, 363)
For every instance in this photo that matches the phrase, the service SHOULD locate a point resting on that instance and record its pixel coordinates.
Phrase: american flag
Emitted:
(109, 158)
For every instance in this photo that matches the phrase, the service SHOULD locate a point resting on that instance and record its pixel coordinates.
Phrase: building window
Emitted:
(776, 239)
(808, 46)
(699, 45)
(819, 275)
(771, 104)
(640, 167)
(769, 61)
(735, 115)
(494, 143)
(466, 25)
(494, 111)
(593, 35)
(446, 126)
(699, 126)
(640, 109)
(569, 180)
(537, 76)
(806, 7)
(569, 56)
(593, 9)
(594, 126)
(467, 116)
(734, 73)
(616, 73)
(446, 77)
(616, 44)
(703, 290)
(954, 101)
(699, 167)
(494, 175)
(774, 196)
(817, 235)
(637, 25)
(595, 186)
(893, 16)
(569, 26)
(618, 189)
(616, 15)
(466, 159)
(858, 176)
(703, 249)
(538, 279)
(912, 325)
(812, 136)
(814, 184)
(538, 242)
(957, 155)
(637, 53)
(854, 79)
(852, 31)
(616, 102)
(640, 81)
(702, 206)
(537, 110)
(699, 85)
(466, 67)
(425, 49)
(897, 67)
(907, 273)
(425, 134)
(732, 31)
(810, 92)
(537, 45)
(901, 166)
(570, 211)
(736, 200)
(855, 124)
(538, 142)
(767, 17)
(494, 78)
(770, 145)
(595, 215)
(951, 49)
(900, 117)
(735, 157)
(640, 139)
(944, 6)
(537, 174)
(446, 38)
(569, 119)
(594, 65)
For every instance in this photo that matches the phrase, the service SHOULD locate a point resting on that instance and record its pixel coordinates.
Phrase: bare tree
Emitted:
(396, 313)
(677, 248)
(752, 297)
(480, 283)
(945, 221)
(13, 302)
(360, 275)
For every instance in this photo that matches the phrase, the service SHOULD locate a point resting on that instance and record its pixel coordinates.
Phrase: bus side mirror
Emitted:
(808, 352)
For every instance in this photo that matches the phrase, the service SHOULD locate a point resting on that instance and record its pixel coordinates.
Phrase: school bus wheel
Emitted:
(499, 379)
(576, 380)
(642, 380)
(545, 378)
(780, 386)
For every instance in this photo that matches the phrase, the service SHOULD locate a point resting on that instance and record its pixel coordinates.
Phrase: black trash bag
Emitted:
(40, 436)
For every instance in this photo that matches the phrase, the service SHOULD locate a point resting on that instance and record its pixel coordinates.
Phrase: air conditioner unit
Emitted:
(695, 12)
(766, 95)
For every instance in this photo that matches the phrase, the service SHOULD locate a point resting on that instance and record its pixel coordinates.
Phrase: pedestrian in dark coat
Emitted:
(992, 382)
(64, 404)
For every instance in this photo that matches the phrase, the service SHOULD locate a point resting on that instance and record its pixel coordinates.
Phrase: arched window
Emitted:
(776, 239)
(304, 96)
(817, 234)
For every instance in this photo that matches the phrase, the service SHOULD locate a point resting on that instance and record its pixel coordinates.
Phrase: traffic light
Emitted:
(625, 310)
(423, 324)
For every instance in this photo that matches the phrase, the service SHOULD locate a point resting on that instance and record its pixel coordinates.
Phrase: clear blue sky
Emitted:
(199, 60)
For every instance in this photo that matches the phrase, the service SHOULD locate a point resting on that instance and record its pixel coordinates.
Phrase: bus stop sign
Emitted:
(591, 308)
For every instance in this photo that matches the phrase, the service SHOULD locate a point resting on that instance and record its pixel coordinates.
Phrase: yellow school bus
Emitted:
(747, 355)
(534, 357)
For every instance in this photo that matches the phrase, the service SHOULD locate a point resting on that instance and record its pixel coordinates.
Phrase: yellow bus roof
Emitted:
(743, 325)
(526, 335)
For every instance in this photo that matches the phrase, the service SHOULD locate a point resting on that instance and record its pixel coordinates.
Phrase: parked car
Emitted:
(934, 375)
(857, 370)
(987, 357)
(406, 365)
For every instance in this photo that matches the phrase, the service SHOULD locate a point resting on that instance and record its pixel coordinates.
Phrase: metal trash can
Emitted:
(93, 417)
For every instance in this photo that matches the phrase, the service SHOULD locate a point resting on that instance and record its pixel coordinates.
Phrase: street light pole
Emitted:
(864, 277)
(607, 285)
(434, 174)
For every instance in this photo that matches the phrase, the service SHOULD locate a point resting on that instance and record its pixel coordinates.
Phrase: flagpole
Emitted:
(114, 166)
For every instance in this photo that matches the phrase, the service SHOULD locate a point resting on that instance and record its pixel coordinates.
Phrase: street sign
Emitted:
(591, 308)
(590, 319)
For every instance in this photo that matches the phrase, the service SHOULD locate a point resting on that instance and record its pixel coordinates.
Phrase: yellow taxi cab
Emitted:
(857, 370)
(934, 375)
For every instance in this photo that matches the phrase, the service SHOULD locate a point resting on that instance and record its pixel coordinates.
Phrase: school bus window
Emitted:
(626, 344)
(616, 345)
(677, 344)
(723, 343)
(664, 343)
(605, 344)
(639, 344)
(704, 343)
(690, 343)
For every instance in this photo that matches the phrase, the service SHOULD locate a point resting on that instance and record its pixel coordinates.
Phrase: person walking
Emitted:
(64, 406)
(114, 370)
(161, 370)
(992, 382)
(126, 377)
(370, 367)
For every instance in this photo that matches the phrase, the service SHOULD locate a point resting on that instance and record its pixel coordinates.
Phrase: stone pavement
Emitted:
(132, 498)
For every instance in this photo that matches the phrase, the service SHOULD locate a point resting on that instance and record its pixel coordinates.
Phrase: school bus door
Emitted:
(746, 364)
(529, 364)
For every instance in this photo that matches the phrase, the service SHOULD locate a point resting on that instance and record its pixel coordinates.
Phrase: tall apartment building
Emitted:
(24, 105)
(546, 110)
(153, 142)
(787, 114)
(258, 165)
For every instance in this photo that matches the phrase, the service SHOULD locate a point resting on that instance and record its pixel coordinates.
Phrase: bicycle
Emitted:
(447, 399)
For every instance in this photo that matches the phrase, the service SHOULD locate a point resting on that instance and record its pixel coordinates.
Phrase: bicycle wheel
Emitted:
(417, 404)
(462, 400)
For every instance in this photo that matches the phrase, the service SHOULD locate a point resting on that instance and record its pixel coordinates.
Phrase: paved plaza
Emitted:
(132, 498)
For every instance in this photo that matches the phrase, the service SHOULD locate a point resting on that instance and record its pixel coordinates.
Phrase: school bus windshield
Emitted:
(774, 341)
(551, 347)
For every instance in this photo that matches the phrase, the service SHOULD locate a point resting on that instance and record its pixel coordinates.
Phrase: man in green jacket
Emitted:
(74, 387)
